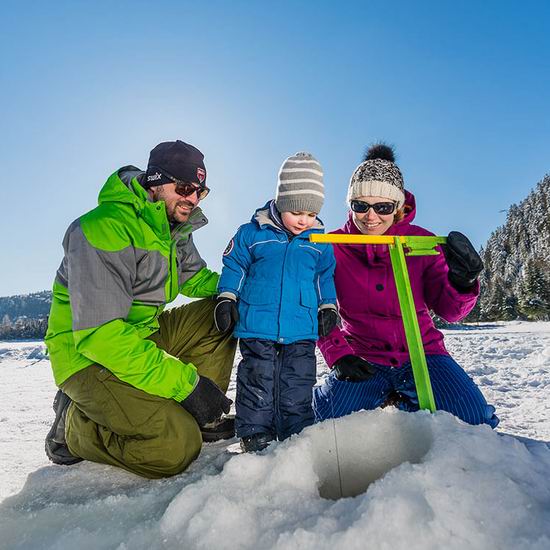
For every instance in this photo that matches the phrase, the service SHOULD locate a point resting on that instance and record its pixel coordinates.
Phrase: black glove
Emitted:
(327, 319)
(226, 314)
(353, 369)
(464, 262)
(206, 402)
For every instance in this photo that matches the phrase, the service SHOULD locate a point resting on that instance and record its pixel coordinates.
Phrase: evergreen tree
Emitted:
(516, 281)
(535, 290)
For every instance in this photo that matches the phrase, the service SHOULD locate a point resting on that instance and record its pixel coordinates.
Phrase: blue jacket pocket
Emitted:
(308, 313)
(258, 294)
(308, 297)
(258, 310)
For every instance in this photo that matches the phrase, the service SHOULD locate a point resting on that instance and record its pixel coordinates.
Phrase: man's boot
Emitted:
(222, 428)
(56, 444)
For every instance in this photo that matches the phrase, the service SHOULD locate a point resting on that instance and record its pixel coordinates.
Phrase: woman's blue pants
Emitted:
(454, 391)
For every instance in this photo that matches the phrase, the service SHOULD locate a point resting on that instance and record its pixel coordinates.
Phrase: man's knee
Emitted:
(171, 451)
(199, 313)
(184, 431)
(165, 446)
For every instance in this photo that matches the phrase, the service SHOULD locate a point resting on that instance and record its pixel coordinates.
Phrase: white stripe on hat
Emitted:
(311, 170)
(295, 159)
(302, 192)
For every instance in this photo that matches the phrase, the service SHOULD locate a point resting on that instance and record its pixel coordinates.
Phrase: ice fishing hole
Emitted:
(352, 452)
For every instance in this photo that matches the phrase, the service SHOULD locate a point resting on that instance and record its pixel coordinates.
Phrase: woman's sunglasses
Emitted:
(382, 208)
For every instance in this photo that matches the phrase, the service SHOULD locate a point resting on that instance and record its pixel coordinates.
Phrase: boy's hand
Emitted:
(226, 314)
(327, 319)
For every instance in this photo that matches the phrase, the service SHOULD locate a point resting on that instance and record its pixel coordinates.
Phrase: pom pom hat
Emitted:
(378, 176)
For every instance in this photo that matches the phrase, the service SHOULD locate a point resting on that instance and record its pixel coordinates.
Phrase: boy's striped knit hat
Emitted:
(300, 186)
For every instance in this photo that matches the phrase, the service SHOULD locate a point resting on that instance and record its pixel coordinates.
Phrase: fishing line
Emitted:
(336, 446)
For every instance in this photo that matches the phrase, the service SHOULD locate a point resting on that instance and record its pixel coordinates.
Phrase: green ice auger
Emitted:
(401, 246)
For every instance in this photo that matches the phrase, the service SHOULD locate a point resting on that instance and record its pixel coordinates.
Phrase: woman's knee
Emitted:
(457, 393)
(336, 398)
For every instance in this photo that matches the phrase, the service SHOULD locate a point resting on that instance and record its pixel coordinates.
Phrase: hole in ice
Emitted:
(352, 452)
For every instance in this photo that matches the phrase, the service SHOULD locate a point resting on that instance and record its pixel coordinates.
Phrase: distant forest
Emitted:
(24, 315)
(515, 283)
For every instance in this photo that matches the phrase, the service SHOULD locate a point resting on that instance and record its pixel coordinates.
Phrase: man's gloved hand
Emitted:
(327, 319)
(464, 262)
(352, 368)
(226, 314)
(206, 402)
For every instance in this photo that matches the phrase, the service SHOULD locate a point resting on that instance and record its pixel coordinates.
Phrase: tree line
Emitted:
(24, 315)
(516, 281)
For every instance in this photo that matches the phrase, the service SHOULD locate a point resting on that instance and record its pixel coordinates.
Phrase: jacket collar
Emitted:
(268, 216)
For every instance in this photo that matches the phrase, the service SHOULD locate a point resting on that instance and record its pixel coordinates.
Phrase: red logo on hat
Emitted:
(201, 175)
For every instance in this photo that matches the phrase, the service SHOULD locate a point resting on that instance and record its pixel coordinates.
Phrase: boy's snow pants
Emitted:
(454, 391)
(274, 387)
(114, 423)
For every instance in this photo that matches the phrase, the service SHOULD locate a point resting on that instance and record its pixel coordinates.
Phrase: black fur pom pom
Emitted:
(379, 151)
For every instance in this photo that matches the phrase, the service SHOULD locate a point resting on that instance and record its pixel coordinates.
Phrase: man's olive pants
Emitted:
(112, 422)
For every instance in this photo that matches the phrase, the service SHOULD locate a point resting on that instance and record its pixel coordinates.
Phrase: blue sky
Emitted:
(460, 89)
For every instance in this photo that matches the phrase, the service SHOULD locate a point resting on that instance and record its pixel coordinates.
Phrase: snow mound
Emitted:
(430, 480)
(420, 480)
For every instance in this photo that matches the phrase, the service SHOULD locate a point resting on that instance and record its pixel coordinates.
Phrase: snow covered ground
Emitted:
(422, 481)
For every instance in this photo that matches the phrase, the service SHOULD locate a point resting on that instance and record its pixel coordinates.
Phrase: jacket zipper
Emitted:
(279, 339)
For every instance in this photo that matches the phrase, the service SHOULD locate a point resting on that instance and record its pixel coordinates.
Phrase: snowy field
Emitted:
(381, 479)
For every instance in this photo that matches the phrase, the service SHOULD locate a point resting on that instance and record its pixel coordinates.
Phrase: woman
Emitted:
(368, 353)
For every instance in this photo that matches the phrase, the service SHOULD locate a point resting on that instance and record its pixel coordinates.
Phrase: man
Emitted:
(139, 388)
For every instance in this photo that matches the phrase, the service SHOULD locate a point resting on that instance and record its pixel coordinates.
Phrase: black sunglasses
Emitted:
(382, 208)
(186, 189)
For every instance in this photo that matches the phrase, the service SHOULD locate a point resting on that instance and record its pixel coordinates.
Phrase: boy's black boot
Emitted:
(222, 428)
(56, 445)
(256, 442)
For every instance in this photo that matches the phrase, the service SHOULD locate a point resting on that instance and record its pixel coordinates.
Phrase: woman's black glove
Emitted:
(226, 314)
(206, 402)
(327, 319)
(464, 262)
(353, 369)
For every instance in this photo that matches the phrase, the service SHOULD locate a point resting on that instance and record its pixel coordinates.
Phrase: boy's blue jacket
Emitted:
(279, 283)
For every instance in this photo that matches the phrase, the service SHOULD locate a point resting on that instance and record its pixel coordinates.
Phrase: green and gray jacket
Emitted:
(123, 263)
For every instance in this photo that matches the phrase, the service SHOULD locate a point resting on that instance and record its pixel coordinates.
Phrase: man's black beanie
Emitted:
(175, 160)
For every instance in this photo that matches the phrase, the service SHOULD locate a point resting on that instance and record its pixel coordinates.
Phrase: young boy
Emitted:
(278, 289)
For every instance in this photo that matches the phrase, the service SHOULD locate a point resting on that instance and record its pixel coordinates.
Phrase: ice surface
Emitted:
(419, 480)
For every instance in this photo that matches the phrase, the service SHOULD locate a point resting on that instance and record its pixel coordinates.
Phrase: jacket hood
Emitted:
(124, 186)
(120, 187)
(262, 217)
